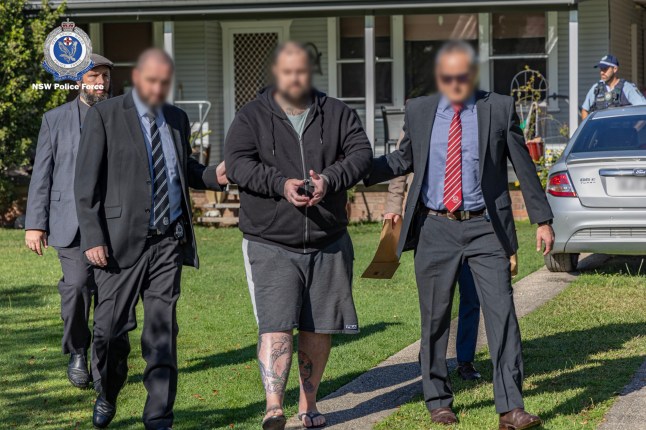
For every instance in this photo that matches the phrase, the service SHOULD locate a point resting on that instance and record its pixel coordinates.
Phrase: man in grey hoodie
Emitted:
(294, 152)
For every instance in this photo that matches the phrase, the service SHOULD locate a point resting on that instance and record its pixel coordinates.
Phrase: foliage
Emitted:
(352, 193)
(550, 157)
(22, 36)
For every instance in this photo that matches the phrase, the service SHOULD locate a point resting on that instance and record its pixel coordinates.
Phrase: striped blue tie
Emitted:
(161, 201)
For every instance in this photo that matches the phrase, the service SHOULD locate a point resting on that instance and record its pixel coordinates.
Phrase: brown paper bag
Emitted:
(514, 265)
(385, 262)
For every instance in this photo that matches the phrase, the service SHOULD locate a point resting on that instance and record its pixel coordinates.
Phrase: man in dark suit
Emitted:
(459, 211)
(51, 215)
(133, 170)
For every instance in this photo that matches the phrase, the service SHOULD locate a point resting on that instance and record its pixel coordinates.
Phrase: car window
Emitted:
(620, 133)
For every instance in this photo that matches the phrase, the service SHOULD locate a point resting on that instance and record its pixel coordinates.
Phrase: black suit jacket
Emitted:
(500, 138)
(113, 190)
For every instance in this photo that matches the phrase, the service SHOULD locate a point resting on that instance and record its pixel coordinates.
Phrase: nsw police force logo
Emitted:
(67, 52)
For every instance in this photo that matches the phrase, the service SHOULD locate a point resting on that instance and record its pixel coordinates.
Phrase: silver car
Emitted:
(597, 189)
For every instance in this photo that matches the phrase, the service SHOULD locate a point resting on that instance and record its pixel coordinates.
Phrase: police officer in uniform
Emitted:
(610, 91)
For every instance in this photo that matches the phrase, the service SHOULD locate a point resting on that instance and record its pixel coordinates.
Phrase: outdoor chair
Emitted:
(393, 123)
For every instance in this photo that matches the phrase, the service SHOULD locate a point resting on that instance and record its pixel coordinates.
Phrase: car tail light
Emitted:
(560, 185)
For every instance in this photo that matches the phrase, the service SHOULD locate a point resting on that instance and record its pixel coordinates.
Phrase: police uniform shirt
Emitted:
(630, 91)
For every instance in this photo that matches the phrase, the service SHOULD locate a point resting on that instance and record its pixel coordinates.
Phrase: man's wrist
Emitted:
(548, 222)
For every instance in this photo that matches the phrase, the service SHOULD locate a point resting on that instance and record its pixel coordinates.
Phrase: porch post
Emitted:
(574, 70)
(369, 34)
(169, 28)
(96, 35)
(484, 37)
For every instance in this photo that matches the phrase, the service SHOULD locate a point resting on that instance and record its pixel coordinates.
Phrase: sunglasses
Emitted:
(604, 68)
(460, 79)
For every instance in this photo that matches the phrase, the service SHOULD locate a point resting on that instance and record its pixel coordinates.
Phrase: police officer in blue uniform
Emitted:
(610, 91)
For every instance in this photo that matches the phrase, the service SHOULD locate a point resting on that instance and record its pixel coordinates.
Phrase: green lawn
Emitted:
(219, 386)
(580, 349)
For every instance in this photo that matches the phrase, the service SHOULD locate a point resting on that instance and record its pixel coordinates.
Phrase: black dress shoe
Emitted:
(103, 413)
(467, 371)
(77, 372)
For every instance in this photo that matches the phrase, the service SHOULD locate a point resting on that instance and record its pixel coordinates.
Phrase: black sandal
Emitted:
(274, 422)
(311, 416)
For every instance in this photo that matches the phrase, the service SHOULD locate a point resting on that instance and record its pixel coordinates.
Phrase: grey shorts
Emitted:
(310, 292)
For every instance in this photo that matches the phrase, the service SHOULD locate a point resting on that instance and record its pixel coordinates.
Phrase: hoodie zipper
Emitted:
(306, 232)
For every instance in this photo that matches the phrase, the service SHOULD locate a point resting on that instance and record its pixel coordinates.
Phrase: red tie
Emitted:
(453, 175)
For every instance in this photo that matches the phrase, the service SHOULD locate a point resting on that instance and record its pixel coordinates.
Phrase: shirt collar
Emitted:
(445, 105)
(142, 109)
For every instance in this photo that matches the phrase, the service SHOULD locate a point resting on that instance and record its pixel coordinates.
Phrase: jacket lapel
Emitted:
(427, 119)
(484, 121)
(134, 128)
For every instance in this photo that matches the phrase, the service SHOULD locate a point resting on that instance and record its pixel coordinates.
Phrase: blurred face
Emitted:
(152, 80)
(607, 73)
(292, 75)
(456, 77)
(95, 85)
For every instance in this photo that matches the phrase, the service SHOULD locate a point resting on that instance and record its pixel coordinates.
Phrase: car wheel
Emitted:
(561, 262)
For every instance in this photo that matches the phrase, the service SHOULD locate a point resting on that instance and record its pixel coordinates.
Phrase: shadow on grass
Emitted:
(567, 360)
(622, 265)
(32, 375)
(25, 296)
(248, 353)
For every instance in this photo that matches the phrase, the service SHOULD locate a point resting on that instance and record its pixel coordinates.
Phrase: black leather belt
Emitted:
(457, 215)
(170, 231)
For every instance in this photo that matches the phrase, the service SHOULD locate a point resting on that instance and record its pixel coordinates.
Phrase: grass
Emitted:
(219, 385)
(580, 350)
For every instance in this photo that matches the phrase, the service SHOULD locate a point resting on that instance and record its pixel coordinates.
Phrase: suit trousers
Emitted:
(444, 246)
(155, 277)
(76, 289)
(468, 316)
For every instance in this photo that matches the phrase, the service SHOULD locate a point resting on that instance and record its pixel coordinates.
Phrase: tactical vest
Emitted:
(603, 99)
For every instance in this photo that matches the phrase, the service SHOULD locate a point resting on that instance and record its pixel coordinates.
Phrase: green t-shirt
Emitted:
(298, 122)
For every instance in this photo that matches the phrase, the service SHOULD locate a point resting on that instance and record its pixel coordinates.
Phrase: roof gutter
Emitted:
(303, 9)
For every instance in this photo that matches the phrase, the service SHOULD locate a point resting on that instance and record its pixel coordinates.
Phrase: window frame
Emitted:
(485, 47)
(334, 72)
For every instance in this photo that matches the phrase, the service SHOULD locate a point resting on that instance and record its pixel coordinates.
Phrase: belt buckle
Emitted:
(466, 215)
(152, 233)
(451, 216)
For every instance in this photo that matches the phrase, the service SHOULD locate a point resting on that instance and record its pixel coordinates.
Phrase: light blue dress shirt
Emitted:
(631, 92)
(433, 186)
(170, 156)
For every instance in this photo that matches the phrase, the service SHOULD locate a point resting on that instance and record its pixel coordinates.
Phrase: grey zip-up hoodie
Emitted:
(262, 151)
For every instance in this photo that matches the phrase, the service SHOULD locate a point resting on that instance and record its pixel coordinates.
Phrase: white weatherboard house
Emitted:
(372, 53)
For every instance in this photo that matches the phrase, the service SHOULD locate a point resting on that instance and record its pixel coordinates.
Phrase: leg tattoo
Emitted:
(275, 365)
(305, 368)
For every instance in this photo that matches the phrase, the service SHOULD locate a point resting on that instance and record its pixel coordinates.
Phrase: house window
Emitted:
(517, 43)
(423, 37)
(122, 44)
(351, 60)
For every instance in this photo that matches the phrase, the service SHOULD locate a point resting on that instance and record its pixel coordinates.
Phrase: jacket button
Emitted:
(147, 211)
(148, 182)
